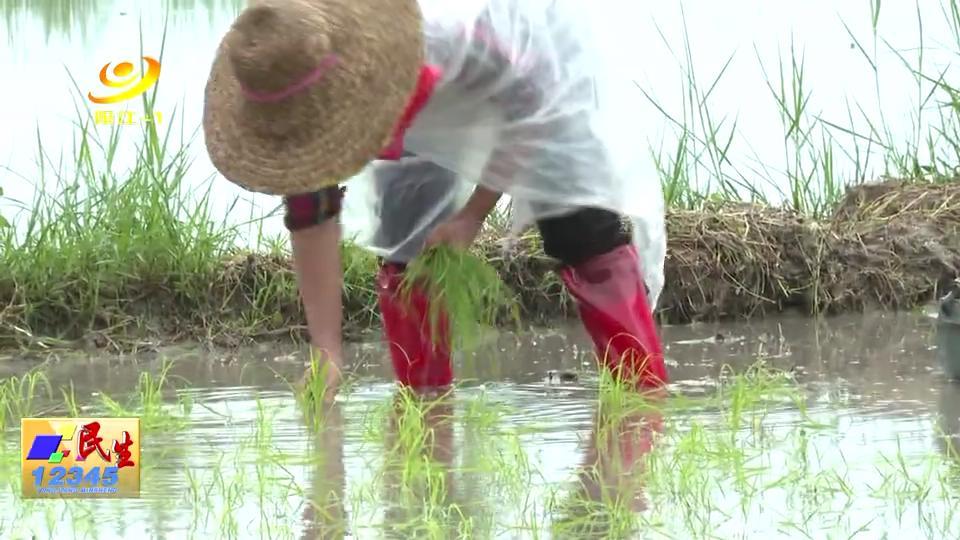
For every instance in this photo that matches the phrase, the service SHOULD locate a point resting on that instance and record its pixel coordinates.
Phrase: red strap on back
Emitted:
(429, 75)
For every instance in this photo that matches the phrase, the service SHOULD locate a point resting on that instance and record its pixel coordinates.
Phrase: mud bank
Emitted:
(888, 245)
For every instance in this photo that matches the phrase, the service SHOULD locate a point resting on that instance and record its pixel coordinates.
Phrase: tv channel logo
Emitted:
(124, 76)
(80, 458)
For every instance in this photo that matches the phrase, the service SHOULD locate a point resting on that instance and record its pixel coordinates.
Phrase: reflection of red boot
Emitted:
(612, 301)
(417, 361)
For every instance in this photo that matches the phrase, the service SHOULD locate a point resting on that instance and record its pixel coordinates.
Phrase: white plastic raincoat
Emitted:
(536, 102)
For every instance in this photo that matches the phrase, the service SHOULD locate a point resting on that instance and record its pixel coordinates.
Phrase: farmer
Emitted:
(451, 105)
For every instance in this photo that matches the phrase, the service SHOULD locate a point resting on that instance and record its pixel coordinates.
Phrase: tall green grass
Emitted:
(697, 168)
(95, 238)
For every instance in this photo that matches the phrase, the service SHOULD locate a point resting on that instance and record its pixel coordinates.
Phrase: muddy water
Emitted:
(512, 451)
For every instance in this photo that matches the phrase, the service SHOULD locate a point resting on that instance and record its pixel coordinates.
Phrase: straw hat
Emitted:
(303, 94)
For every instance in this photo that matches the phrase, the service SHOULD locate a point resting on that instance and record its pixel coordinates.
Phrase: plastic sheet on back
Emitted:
(535, 102)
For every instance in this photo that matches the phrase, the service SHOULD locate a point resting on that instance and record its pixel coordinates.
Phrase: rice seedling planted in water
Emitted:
(148, 402)
(677, 466)
(18, 396)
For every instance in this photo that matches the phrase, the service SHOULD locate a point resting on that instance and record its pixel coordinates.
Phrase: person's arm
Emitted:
(482, 201)
(316, 261)
(315, 242)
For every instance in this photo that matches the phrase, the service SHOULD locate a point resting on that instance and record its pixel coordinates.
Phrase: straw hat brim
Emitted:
(330, 132)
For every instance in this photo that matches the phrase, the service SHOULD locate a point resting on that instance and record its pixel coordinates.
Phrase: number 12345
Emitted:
(75, 477)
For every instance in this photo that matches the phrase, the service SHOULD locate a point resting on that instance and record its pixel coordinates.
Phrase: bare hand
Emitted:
(459, 231)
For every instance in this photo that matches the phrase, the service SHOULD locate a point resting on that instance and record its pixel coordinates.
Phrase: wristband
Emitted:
(309, 209)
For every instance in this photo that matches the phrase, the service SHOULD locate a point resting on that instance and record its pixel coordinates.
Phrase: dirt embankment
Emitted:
(890, 245)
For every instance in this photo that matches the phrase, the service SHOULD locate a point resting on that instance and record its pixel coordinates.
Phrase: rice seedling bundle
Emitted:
(462, 286)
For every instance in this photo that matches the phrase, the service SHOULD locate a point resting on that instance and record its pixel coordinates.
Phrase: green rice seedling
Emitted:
(149, 404)
(509, 468)
(9, 465)
(311, 392)
(70, 400)
(263, 434)
(493, 470)
(230, 494)
(620, 399)
(416, 470)
(192, 495)
(758, 385)
(415, 438)
(464, 286)
(18, 396)
(481, 415)
(587, 518)
(328, 514)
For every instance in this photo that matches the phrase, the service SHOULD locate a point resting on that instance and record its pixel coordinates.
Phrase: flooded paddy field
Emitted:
(791, 428)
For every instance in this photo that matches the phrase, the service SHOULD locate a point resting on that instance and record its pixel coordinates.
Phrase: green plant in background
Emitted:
(464, 285)
(18, 396)
(3, 221)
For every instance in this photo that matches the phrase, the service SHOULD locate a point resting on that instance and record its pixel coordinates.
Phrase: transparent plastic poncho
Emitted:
(535, 101)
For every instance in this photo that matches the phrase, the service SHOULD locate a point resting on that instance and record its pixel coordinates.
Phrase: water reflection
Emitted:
(83, 18)
(325, 514)
(504, 458)
(418, 480)
(62, 17)
(870, 359)
(609, 490)
(211, 5)
(438, 483)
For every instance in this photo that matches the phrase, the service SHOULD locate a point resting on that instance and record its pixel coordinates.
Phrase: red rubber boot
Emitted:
(612, 301)
(417, 361)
